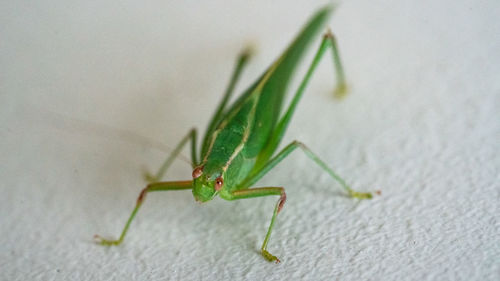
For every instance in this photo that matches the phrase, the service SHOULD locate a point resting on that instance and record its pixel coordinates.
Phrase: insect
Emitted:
(241, 142)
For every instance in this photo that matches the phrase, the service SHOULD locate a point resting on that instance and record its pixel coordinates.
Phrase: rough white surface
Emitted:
(422, 124)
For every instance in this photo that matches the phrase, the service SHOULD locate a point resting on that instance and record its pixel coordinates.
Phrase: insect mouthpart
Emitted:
(203, 189)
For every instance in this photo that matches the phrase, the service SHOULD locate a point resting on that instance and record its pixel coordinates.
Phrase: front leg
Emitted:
(157, 186)
(259, 192)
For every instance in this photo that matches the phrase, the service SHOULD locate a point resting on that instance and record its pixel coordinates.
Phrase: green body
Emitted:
(240, 144)
(243, 141)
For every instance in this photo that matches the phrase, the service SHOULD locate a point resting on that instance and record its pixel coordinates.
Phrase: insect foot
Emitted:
(360, 195)
(148, 177)
(341, 91)
(270, 257)
(101, 241)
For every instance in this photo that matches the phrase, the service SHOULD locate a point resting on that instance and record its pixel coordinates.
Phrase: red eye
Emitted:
(197, 172)
(218, 183)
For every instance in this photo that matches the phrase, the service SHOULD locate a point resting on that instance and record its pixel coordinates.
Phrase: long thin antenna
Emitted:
(67, 123)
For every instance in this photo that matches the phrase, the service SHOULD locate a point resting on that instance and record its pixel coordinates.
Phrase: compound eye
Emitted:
(218, 183)
(197, 172)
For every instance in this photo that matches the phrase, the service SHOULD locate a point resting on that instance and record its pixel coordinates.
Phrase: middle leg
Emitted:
(170, 159)
(285, 152)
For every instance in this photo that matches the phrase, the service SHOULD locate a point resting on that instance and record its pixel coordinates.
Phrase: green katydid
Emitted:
(241, 140)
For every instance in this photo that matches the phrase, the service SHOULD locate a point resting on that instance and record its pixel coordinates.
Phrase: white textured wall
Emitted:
(422, 124)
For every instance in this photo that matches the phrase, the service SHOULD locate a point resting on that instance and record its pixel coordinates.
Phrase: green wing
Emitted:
(275, 85)
(246, 126)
